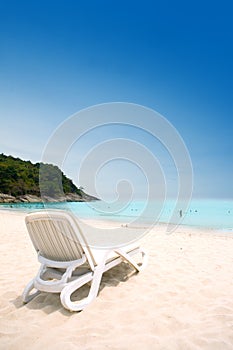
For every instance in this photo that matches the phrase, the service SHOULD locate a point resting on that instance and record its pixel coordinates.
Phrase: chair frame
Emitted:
(58, 276)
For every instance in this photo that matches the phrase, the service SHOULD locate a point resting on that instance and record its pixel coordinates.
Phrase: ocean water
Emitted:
(208, 213)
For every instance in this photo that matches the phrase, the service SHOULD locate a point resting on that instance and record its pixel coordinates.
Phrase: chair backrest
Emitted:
(56, 235)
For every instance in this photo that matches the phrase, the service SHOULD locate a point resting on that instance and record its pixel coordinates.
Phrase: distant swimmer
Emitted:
(181, 213)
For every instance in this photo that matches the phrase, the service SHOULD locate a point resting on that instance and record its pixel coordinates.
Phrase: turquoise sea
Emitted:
(208, 213)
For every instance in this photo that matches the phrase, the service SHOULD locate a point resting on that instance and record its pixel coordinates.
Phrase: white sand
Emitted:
(183, 300)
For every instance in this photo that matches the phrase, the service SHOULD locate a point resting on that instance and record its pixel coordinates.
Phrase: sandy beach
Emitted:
(182, 301)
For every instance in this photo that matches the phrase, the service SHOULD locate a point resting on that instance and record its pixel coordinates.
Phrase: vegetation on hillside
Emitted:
(19, 177)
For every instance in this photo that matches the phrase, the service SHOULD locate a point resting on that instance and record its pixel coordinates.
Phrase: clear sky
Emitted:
(57, 57)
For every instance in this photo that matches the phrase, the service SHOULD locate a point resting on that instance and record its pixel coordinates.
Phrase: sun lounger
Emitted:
(67, 260)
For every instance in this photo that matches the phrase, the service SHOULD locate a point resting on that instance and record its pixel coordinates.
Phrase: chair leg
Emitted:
(131, 261)
(94, 278)
(26, 293)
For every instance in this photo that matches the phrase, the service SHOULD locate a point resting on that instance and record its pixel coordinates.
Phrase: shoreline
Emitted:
(161, 225)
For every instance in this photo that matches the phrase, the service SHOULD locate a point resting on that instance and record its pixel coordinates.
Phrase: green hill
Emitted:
(19, 178)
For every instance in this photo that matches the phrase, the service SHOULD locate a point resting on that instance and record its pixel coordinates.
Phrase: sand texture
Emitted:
(182, 301)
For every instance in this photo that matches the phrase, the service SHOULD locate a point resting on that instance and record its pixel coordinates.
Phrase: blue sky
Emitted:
(57, 57)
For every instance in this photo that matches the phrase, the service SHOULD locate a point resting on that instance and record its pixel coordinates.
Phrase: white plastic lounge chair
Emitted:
(67, 261)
